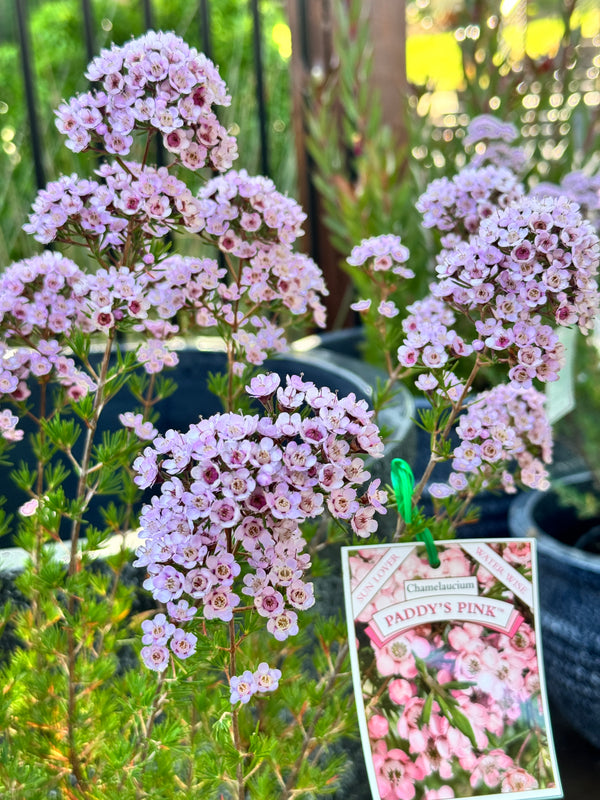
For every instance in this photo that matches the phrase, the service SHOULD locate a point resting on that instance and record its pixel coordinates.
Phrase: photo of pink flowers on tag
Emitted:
(447, 670)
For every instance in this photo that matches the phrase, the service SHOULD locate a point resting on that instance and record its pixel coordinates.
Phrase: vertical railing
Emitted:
(29, 91)
(260, 87)
(88, 29)
(205, 28)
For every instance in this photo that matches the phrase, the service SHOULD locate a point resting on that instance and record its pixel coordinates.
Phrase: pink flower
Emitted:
(518, 780)
(219, 604)
(29, 508)
(142, 429)
(157, 630)
(182, 611)
(400, 691)
(155, 656)
(361, 305)
(426, 382)
(242, 687)
(398, 656)
(269, 603)
(440, 490)
(376, 496)
(183, 644)
(378, 726)
(395, 772)
(388, 309)
(283, 625)
(407, 355)
(363, 523)
(342, 503)
(264, 385)
(490, 769)
(266, 678)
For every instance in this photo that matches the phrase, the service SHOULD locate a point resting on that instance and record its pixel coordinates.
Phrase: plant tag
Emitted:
(447, 669)
(560, 394)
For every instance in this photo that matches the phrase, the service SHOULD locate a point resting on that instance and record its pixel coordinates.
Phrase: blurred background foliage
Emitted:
(534, 63)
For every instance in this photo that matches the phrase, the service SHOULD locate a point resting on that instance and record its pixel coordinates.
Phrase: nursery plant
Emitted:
(78, 716)
(513, 269)
(224, 689)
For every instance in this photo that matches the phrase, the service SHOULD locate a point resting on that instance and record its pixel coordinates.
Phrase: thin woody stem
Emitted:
(309, 734)
(235, 726)
(72, 724)
(155, 707)
(437, 439)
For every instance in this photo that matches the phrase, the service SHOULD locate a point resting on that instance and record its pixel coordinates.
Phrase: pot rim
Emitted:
(398, 417)
(521, 523)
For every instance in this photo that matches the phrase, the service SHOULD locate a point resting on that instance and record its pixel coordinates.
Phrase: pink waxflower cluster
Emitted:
(76, 209)
(503, 424)
(119, 216)
(243, 216)
(48, 295)
(513, 267)
(39, 306)
(536, 259)
(494, 144)
(263, 679)
(156, 82)
(497, 674)
(457, 206)
(246, 211)
(579, 187)
(234, 491)
(431, 343)
(383, 259)
(388, 254)
(45, 298)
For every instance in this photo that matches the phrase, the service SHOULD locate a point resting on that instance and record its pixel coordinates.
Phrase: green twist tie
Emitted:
(403, 483)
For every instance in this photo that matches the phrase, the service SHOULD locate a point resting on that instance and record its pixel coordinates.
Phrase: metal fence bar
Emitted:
(260, 88)
(149, 23)
(36, 148)
(88, 29)
(205, 28)
(148, 14)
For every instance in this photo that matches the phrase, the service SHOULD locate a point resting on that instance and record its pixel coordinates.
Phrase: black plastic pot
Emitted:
(193, 399)
(569, 580)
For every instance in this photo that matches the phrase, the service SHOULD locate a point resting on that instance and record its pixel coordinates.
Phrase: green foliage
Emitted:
(218, 384)
(62, 433)
(131, 733)
(362, 170)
